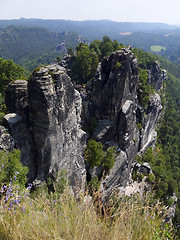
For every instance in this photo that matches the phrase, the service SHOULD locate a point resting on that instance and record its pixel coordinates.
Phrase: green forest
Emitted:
(34, 46)
(164, 158)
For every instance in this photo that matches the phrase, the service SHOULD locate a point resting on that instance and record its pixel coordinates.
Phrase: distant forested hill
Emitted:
(34, 44)
(164, 44)
(90, 28)
(161, 38)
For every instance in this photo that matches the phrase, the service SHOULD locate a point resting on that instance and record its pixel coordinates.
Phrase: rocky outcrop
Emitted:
(52, 136)
(121, 120)
(22, 140)
(55, 108)
(139, 183)
(156, 76)
(151, 117)
(46, 125)
(6, 141)
(17, 97)
(17, 122)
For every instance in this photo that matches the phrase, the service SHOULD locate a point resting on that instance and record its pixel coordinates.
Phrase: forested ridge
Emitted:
(165, 157)
(34, 46)
(165, 38)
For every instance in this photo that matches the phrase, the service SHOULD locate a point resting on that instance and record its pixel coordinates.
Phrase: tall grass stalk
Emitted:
(60, 216)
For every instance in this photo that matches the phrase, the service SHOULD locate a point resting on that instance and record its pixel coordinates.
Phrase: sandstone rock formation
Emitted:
(17, 97)
(52, 136)
(45, 119)
(156, 76)
(122, 122)
(6, 141)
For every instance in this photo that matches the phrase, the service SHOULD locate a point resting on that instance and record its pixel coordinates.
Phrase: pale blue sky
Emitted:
(165, 11)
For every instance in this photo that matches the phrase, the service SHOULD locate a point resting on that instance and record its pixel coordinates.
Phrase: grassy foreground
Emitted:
(60, 216)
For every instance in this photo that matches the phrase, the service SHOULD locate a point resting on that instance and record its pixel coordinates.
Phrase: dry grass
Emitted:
(60, 216)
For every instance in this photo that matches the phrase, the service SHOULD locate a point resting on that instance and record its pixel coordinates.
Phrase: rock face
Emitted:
(122, 122)
(17, 97)
(55, 108)
(6, 141)
(53, 131)
(45, 119)
(156, 76)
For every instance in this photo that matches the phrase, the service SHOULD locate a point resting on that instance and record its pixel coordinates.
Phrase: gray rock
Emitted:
(6, 141)
(22, 140)
(142, 168)
(118, 176)
(49, 133)
(55, 109)
(171, 210)
(152, 116)
(156, 76)
(17, 97)
(47, 123)
(113, 101)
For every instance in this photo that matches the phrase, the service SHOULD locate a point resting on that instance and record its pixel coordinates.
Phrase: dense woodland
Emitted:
(140, 35)
(34, 46)
(164, 158)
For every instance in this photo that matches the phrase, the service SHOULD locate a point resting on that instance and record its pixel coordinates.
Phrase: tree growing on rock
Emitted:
(95, 155)
(84, 67)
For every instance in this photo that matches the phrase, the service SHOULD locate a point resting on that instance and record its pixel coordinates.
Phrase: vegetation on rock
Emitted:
(95, 155)
(9, 71)
(11, 169)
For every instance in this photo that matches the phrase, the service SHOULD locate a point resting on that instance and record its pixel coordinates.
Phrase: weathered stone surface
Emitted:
(47, 123)
(113, 101)
(48, 132)
(23, 141)
(6, 141)
(118, 176)
(115, 82)
(17, 97)
(55, 108)
(152, 116)
(156, 76)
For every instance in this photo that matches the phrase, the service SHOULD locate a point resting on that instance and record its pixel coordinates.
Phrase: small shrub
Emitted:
(12, 169)
(151, 178)
(118, 65)
(95, 155)
(93, 185)
(134, 175)
(1, 117)
(109, 159)
(38, 68)
(58, 183)
(139, 126)
(145, 88)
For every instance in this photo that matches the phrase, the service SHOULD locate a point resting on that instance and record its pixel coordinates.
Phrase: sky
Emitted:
(163, 11)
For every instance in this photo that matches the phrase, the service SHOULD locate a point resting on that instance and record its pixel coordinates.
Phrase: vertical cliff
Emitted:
(122, 121)
(48, 130)
(55, 109)
(45, 119)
